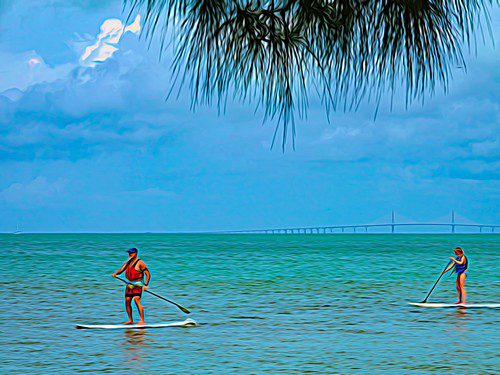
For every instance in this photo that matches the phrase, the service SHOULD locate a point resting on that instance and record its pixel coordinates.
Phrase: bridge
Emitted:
(363, 228)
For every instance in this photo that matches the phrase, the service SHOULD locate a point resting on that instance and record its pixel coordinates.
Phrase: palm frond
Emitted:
(274, 53)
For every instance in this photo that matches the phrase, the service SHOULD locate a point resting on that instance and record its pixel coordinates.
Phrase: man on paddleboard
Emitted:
(135, 270)
(460, 263)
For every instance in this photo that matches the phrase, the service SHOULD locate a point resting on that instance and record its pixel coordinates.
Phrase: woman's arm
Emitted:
(461, 261)
(449, 267)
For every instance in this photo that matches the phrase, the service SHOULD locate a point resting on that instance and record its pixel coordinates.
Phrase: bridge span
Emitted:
(363, 228)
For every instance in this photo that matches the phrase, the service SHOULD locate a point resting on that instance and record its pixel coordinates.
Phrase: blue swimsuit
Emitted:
(461, 268)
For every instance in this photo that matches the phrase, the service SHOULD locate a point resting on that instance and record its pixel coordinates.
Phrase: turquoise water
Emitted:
(266, 304)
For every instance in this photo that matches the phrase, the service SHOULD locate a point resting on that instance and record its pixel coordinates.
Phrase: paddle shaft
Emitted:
(183, 309)
(436, 283)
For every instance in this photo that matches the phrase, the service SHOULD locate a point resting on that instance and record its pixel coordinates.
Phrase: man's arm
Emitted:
(144, 269)
(121, 269)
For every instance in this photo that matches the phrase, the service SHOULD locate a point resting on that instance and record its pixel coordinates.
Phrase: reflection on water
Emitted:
(135, 337)
(265, 304)
(134, 344)
(457, 319)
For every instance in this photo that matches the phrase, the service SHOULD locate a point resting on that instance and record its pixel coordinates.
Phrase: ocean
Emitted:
(273, 304)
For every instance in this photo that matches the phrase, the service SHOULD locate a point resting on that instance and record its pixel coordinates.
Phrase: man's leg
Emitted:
(137, 301)
(128, 307)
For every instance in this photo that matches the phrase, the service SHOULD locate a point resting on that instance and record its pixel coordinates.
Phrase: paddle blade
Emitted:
(184, 310)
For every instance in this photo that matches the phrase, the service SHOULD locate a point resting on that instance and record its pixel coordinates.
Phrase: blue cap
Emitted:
(132, 250)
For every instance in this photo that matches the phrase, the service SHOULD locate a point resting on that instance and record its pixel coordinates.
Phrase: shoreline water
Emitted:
(265, 304)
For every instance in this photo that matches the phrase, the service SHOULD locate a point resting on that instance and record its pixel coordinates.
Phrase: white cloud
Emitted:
(487, 148)
(19, 71)
(38, 191)
(107, 41)
(155, 192)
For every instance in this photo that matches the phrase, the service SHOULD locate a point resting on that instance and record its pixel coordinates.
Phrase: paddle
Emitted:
(183, 309)
(436, 283)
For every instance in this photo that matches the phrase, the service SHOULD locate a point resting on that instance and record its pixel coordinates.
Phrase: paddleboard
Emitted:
(449, 305)
(186, 323)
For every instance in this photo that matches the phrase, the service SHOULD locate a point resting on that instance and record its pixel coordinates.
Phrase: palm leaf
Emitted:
(274, 53)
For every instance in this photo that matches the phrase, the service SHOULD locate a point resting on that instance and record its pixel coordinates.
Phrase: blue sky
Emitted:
(87, 146)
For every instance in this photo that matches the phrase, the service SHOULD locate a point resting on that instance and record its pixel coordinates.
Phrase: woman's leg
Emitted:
(459, 290)
(461, 279)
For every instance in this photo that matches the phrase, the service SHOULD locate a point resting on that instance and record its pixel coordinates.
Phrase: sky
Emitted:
(88, 142)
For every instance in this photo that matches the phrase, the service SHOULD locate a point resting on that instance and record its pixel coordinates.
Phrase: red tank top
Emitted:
(131, 273)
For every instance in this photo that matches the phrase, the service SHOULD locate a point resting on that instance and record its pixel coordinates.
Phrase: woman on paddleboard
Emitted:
(460, 263)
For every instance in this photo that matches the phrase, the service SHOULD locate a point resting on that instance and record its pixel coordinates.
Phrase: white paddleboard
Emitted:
(186, 323)
(468, 306)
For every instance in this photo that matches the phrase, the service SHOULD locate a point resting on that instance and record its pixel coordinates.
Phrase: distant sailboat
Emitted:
(18, 231)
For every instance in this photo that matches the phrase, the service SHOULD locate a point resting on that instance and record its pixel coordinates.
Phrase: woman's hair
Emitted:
(459, 250)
